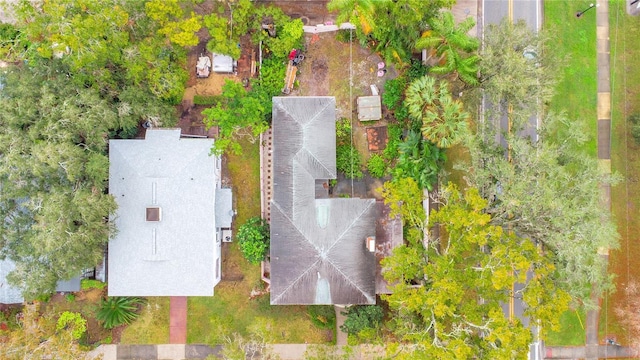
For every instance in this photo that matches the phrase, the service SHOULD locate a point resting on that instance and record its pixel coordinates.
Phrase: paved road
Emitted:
(530, 11)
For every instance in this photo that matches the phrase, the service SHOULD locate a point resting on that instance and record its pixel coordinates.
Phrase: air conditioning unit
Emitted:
(227, 235)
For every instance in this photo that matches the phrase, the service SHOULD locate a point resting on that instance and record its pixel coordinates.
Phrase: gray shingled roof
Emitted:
(318, 253)
(8, 293)
(13, 295)
(176, 255)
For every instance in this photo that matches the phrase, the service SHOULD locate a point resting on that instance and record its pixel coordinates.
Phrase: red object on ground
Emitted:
(292, 54)
(178, 320)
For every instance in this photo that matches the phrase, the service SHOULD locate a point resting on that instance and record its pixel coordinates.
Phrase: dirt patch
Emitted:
(327, 69)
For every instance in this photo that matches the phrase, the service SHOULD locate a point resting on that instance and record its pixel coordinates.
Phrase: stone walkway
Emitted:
(178, 320)
(341, 336)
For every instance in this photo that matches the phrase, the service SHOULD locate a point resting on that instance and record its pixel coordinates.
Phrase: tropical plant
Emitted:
(420, 160)
(453, 45)
(444, 121)
(394, 135)
(376, 166)
(358, 12)
(253, 239)
(118, 310)
(349, 161)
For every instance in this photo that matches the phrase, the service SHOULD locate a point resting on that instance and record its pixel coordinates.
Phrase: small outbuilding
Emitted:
(369, 108)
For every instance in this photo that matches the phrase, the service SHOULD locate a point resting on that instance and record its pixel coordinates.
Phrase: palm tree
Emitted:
(357, 12)
(444, 121)
(420, 160)
(453, 46)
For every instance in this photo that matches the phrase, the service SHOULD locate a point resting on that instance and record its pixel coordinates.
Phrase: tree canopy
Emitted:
(463, 276)
(389, 27)
(548, 192)
(515, 69)
(110, 44)
(456, 50)
(45, 336)
(53, 175)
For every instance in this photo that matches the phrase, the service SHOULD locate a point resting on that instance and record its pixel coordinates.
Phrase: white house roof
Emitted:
(165, 188)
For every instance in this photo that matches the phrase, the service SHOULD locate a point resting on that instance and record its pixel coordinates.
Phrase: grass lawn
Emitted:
(212, 319)
(152, 327)
(625, 160)
(572, 332)
(575, 40)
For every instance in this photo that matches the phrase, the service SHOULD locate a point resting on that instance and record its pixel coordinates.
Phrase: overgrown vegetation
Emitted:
(348, 159)
(377, 166)
(238, 112)
(362, 322)
(322, 316)
(253, 239)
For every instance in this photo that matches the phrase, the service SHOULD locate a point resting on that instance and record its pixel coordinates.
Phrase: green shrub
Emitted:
(74, 322)
(376, 166)
(70, 297)
(204, 100)
(634, 119)
(348, 161)
(116, 310)
(87, 284)
(322, 316)
(394, 134)
(343, 132)
(253, 239)
(361, 317)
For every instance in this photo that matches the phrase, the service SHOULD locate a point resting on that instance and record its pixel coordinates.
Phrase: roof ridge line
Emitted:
(349, 279)
(351, 224)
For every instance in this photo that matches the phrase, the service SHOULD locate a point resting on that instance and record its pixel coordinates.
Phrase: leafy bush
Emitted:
(204, 100)
(376, 166)
(253, 239)
(634, 119)
(348, 161)
(86, 284)
(420, 160)
(322, 316)
(361, 318)
(116, 310)
(70, 297)
(343, 132)
(73, 321)
(394, 134)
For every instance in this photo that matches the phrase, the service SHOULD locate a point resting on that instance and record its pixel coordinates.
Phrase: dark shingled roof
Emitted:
(318, 252)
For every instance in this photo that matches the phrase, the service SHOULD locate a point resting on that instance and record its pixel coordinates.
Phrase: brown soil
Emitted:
(86, 302)
(326, 71)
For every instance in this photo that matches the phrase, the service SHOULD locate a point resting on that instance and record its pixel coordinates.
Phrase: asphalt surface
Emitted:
(529, 11)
